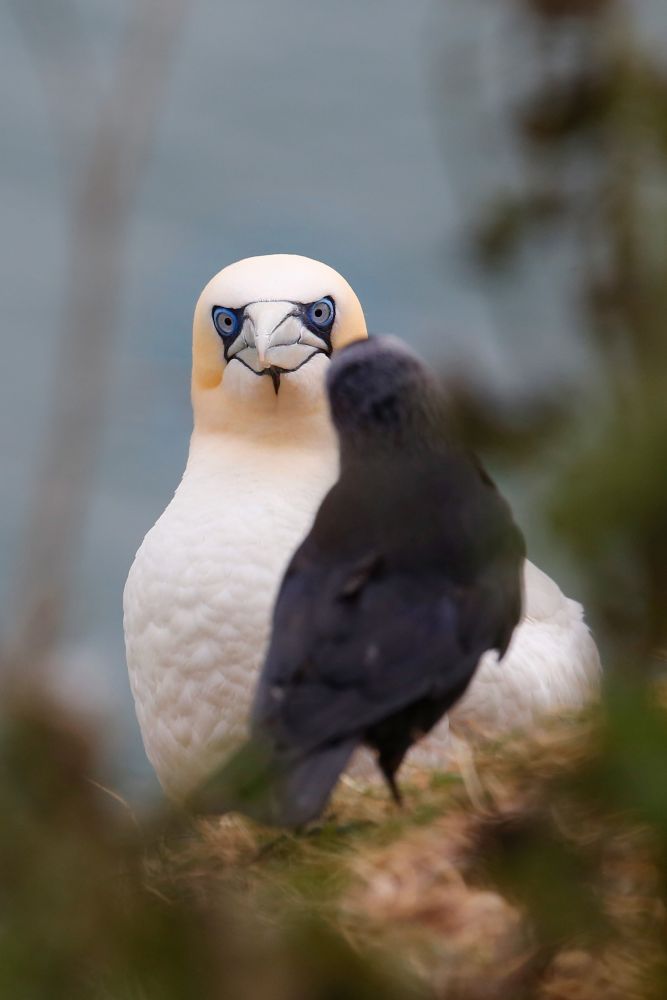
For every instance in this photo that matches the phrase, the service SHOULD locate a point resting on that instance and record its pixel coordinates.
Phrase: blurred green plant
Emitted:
(95, 905)
(593, 142)
(593, 139)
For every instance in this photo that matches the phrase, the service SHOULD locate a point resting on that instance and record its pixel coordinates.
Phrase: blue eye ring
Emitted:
(322, 313)
(226, 321)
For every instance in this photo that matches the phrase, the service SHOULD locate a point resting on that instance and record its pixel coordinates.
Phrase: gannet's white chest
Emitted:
(198, 600)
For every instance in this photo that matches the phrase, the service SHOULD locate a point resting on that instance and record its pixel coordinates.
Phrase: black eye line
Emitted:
(301, 309)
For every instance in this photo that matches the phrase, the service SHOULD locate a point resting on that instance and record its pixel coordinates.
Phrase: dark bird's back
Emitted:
(411, 572)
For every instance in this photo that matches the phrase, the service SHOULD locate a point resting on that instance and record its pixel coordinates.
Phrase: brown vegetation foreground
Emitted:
(514, 883)
(542, 874)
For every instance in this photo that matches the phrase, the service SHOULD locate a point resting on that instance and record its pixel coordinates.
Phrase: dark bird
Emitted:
(410, 573)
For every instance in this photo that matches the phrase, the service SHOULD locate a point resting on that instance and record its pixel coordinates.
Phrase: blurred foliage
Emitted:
(592, 141)
(95, 905)
(76, 917)
(549, 882)
(592, 135)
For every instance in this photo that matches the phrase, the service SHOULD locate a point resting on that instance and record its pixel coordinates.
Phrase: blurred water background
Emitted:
(368, 135)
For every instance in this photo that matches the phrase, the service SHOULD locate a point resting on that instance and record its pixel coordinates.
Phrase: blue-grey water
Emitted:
(367, 134)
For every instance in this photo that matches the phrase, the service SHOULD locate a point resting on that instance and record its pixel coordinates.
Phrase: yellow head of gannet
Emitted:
(265, 327)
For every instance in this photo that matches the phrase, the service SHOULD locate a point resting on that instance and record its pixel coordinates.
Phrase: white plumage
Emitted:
(198, 598)
(552, 665)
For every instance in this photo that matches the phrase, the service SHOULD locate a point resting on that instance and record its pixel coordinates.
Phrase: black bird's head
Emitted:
(380, 389)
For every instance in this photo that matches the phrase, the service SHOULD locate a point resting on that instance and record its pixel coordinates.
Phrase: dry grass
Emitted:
(539, 873)
(525, 889)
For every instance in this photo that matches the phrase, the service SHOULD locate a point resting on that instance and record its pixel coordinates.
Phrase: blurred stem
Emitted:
(99, 227)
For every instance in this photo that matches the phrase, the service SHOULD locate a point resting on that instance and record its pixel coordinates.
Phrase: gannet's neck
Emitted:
(243, 423)
(246, 406)
(265, 432)
(264, 459)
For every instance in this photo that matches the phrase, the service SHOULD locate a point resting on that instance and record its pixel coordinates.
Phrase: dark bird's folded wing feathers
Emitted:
(339, 663)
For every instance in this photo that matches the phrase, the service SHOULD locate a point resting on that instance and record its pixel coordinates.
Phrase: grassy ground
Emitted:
(507, 883)
(538, 873)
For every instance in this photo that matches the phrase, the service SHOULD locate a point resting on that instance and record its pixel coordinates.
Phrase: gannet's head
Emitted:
(264, 331)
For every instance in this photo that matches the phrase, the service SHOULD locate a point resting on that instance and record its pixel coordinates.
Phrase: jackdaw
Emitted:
(410, 573)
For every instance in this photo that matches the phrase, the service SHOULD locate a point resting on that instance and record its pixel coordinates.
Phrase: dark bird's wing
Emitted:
(370, 619)
(363, 652)
(374, 637)
(353, 642)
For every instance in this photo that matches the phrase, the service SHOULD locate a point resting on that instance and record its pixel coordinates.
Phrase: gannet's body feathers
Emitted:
(199, 595)
(409, 575)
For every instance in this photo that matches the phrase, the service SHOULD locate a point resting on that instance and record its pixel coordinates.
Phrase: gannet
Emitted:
(198, 599)
(410, 573)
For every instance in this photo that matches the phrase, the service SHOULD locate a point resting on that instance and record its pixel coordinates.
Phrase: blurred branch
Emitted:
(99, 223)
(61, 59)
(513, 431)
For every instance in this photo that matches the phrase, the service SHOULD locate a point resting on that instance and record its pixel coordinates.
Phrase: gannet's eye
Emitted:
(226, 321)
(322, 313)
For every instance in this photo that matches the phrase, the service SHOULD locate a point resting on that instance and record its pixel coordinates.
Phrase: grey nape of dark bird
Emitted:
(411, 572)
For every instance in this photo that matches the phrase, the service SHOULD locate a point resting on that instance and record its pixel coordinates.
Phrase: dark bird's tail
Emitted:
(273, 788)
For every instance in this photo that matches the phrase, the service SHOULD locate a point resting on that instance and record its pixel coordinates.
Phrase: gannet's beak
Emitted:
(269, 325)
(274, 340)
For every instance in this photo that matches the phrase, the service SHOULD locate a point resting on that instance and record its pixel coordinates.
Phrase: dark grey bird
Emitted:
(411, 572)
